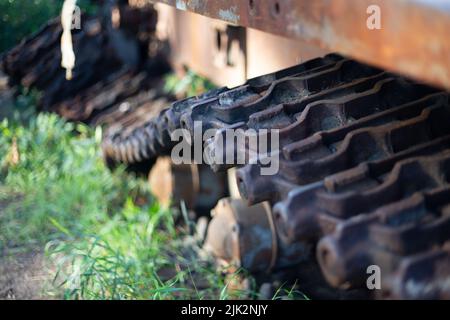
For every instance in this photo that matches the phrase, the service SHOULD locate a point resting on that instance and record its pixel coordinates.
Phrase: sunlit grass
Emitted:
(55, 192)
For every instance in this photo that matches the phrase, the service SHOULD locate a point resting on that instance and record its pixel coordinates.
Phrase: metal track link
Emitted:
(363, 167)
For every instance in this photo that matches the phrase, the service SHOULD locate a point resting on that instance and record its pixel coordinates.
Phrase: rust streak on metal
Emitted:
(413, 38)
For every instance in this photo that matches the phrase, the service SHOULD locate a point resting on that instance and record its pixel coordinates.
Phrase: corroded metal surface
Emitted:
(312, 219)
(110, 64)
(219, 54)
(117, 81)
(196, 185)
(125, 139)
(391, 234)
(421, 276)
(363, 162)
(245, 237)
(152, 138)
(413, 38)
(363, 172)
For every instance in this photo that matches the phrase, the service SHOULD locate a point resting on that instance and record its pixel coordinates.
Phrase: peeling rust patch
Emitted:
(229, 15)
(415, 31)
(181, 5)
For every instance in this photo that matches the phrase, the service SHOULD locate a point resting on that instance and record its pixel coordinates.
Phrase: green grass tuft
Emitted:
(56, 193)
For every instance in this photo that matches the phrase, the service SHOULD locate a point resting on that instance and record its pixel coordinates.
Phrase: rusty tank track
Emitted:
(364, 170)
(105, 74)
(117, 84)
(158, 130)
(364, 158)
(111, 87)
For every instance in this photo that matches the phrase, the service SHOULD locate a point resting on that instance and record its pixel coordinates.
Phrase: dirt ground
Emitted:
(24, 272)
(24, 276)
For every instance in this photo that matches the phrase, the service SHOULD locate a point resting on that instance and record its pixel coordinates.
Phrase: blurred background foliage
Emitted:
(191, 84)
(20, 18)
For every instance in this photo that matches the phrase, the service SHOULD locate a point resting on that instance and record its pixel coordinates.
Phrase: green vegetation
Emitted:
(191, 84)
(108, 237)
(20, 18)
